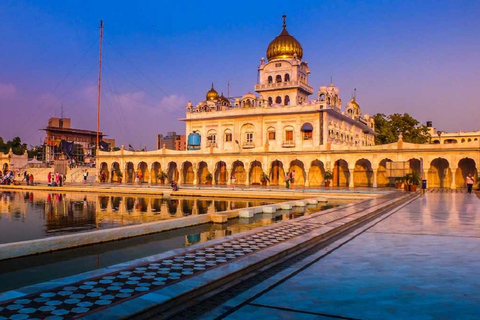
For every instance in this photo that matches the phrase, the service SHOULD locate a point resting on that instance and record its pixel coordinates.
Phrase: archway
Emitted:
(299, 168)
(188, 173)
(129, 172)
(383, 179)
(172, 172)
(156, 172)
(116, 174)
(277, 173)
(240, 174)
(316, 173)
(363, 173)
(142, 172)
(439, 174)
(221, 173)
(202, 172)
(341, 174)
(465, 166)
(415, 166)
(255, 172)
(104, 174)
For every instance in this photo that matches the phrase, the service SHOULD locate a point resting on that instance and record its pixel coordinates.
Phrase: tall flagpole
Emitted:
(99, 84)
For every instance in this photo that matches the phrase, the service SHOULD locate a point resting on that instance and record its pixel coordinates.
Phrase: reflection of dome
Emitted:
(284, 46)
(212, 94)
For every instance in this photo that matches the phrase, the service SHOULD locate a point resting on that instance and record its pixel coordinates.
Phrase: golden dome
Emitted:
(212, 94)
(284, 46)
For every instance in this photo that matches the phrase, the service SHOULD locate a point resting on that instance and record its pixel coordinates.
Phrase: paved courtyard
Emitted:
(421, 262)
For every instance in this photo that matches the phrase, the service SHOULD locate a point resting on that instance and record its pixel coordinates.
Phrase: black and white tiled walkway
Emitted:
(78, 299)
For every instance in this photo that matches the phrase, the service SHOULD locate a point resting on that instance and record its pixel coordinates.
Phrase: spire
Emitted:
(212, 85)
(284, 21)
(355, 93)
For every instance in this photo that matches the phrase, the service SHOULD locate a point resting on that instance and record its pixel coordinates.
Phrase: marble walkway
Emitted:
(133, 287)
(420, 262)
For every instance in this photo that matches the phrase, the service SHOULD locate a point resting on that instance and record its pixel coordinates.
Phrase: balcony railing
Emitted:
(287, 84)
(288, 144)
(248, 145)
(212, 144)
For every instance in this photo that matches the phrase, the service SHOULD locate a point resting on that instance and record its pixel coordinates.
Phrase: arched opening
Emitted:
(129, 172)
(465, 166)
(156, 172)
(270, 101)
(278, 78)
(439, 174)
(271, 134)
(239, 169)
(363, 173)
(449, 141)
(221, 176)
(172, 172)
(277, 173)
(203, 173)
(287, 77)
(307, 131)
(142, 172)
(104, 172)
(188, 173)
(116, 175)
(341, 174)
(278, 100)
(270, 79)
(287, 100)
(415, 166)
(316, 173)
(298, 168)
(383, 179)
(322, 97)
(255, 172)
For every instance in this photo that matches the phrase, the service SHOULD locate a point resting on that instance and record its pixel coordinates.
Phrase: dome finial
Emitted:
(284, 21)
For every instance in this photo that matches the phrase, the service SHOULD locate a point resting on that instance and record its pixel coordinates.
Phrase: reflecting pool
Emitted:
(35, 215)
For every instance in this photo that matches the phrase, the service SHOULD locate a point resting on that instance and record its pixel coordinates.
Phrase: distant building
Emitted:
(172, 141)
(441, 137)
(62, 139)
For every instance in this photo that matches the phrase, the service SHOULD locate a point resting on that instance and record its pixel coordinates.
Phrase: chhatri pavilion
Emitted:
(285, 126)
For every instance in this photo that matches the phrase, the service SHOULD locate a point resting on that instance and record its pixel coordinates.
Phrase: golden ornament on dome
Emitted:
(284, 46)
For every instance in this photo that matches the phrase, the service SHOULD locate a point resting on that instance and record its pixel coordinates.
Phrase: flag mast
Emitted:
(99, 84)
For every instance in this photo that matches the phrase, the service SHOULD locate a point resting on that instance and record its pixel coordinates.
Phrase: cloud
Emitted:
(7, 91)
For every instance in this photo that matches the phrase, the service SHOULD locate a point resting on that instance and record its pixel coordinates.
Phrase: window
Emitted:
(278, 79)
(307, 130)
(271, 133)
(287, 77)
(278, 65)
(278, 100)
(250, 137)
(228, 136)
(287, 100)
(270, 101)
(289, 135)
(270, 79)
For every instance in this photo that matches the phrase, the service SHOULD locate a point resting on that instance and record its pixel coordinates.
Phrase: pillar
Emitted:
(195, 176)
(453, 171)
(375, 178)
(351, 183)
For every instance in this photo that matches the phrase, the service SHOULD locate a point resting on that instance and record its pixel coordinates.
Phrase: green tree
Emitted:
(389, 127)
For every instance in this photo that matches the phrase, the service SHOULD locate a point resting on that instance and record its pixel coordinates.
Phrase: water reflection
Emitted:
(29, 215)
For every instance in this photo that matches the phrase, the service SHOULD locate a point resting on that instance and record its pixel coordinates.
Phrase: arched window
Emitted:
(228, 135)
(307, 130)
(322, 97)
(287, 77)
(287, 100)
(212, 138)
(270, 79)
(270, 101)
(469, 140)
(271, 133)
(278, 78)
(278, 100)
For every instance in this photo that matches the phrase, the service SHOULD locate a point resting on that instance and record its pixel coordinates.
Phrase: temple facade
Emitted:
(286, 126)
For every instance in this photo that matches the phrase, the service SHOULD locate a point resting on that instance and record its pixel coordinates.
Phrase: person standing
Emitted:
(49, 178)
(470, 181)
(26, 177)
(85, 176)
(31, 179)
(292, 179)
(233, 178)
(287, 180)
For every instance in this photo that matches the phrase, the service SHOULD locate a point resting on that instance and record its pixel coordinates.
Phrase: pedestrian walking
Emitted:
(470, 181)
(85, 176)
(26, 177)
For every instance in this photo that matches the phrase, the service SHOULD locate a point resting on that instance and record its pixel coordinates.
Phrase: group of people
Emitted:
(56, 179)
(8, 177)
(28, 178)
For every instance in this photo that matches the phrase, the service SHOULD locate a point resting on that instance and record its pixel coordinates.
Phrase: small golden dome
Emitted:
(212, 94)
(224, 99)
(284, 46)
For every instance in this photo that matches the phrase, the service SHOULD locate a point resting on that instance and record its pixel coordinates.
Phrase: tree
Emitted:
(389, 127)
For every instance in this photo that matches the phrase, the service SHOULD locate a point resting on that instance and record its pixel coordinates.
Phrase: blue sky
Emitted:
(419, 57)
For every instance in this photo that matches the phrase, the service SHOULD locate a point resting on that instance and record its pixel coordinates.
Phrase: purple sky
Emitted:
(422, 58)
